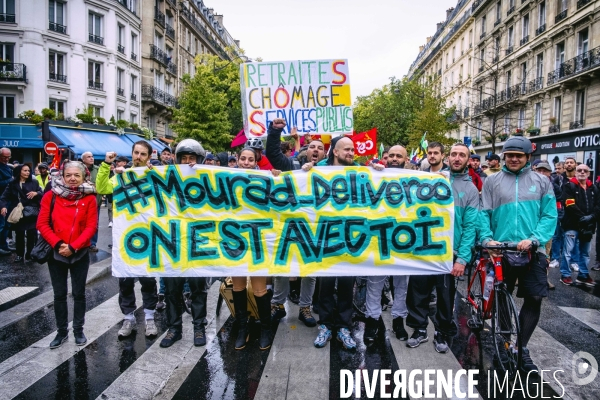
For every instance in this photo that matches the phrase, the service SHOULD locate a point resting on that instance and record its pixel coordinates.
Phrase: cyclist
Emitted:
(466, 219)
(519, 206)
(262, 162)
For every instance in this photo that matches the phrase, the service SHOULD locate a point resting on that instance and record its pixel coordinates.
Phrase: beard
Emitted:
(396, 165)
(345, 162)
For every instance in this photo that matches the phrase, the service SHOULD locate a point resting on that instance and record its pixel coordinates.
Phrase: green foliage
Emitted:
(122, 124)
(36, 119)
(112, 120)
(48, 113)
(135, 126)
(84, 117)
(26, 114)
(210, 108)
(101, 121)
(60, 117)
(402, 111)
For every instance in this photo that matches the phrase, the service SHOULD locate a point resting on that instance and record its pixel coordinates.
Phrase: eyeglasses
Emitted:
(585, 171)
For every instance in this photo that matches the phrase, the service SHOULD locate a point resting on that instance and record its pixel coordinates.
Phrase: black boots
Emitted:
(370, 335)
(398, 328)
(60, 338)
(240, 304)
(264, 313)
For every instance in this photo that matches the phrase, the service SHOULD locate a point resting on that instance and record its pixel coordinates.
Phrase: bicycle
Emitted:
(490, 299)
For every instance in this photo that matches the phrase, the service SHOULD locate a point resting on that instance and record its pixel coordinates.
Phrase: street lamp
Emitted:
(239, 57)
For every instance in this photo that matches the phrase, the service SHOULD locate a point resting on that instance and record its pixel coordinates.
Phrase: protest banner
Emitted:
(311, 95)
(333, 221)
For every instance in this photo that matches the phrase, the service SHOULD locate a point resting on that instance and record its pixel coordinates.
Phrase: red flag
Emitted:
(239, 139)
(365, 143)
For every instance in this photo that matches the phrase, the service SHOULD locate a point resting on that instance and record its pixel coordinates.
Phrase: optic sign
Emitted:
(210, 221)
(313, 96)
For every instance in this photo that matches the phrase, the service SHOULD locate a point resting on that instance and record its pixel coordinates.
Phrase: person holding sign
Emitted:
(140, 154)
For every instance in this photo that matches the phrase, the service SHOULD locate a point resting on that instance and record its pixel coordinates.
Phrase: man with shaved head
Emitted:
(6, 174)
(397, 157)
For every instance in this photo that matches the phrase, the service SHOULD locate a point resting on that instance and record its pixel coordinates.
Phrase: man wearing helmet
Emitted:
(262, 161)
(519, 206)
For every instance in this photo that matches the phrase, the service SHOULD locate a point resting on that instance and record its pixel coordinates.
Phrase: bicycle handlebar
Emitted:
(506, 246)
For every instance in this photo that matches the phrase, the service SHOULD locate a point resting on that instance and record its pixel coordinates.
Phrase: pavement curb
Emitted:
(98, 270)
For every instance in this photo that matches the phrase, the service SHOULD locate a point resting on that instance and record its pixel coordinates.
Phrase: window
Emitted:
(133, 88)
(134, 40)
(158, 40)
(479, 124)
(7, 51)
(521, 121)
(508, 79)
(120, 86)
(169, 87)
(483, 22)
(523, 76)
(168, 131)
(94, 75)
(159, 80)
(58, 106)
(580, 106)
(582, 41)
(133, 118)
(563, 5)
(7, 11)
(119, 115)
(7, 106)
(56, 16)
(539, 66)
(453, 53)
(525, 26)
(121, 39)
(95, 28)
(97, 111)
(558, 109)
(507, 123)
(537, 115)
(498, 11)
(470, 38)
(56, 67)
(542, 14)
(560, 55)
(482, 58)
(152, 121)
(511, 36)
(497, 49)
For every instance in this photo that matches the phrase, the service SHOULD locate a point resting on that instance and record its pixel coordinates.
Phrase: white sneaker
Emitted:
(553, 264)
(151, 328)
(128, 327)
(110, 224)
(575, 267)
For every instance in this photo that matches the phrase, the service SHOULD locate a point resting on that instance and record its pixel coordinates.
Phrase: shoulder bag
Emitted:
(42, 250)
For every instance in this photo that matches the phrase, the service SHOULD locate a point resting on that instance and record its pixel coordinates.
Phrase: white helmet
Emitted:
(190, 146)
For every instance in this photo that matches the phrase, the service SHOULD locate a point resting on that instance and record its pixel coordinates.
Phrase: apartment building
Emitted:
(173, 35)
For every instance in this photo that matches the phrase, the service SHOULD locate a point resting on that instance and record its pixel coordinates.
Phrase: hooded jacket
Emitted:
(279, 160)
(466, 215)
(578, 203)
(518, 206)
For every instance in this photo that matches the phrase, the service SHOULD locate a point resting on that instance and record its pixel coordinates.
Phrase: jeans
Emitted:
(332, 314)
(281, 288)
(417, 301)
(374, 288)
(557, 242)
(58, 275)
(127, 295)
(572, 244)
(161, 286)
(95, 238)
(3, 233)
(174, 288)
(31, 241)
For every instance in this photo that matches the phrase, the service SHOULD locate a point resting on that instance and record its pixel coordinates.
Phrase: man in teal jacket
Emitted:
(519, 206)
(466, 220)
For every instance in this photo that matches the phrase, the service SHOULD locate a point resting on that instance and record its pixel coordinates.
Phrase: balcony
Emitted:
(58, 28)
(173, 3)
(13, 72)
(152, 93)
(509, 50)
(121, 48)
(96, 39)
(134, 56)
(481, 68)
(554, 128)
(159, 17)
(524, 40)
(540, 30)
(202, 30)
(497, 22)
(582, 3)
(170, 32)
(172, 68)
(159, 55)
(560, 16)
(510, 11)
(7, 18)
(576, 124)
(133, 97)
(536, 84)
(95, 85)
(121, 91)
(496, 58)
(583, 62)
(57, 78)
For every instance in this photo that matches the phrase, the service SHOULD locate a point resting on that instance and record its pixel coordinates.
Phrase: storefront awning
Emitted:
(98, 143)
(156, 144)
(17, 136)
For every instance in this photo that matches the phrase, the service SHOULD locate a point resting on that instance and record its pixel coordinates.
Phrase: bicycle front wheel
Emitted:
(506, 332)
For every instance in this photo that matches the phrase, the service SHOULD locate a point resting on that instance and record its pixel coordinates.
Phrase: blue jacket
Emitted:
(6, 175)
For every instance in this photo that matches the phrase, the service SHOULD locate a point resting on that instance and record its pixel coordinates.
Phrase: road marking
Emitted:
(28, 366)
(589, 316)
(13, 293)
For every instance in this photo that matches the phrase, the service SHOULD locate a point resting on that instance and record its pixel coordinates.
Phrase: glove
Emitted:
(587, 219)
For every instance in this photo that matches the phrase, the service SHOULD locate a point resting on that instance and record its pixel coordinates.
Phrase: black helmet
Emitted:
(255, 143)
(190, 146)
(518, 144)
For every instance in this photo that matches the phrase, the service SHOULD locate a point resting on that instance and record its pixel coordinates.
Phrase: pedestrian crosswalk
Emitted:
(293, 369)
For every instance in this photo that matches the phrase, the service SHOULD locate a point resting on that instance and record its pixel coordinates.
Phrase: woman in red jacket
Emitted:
(68, 220)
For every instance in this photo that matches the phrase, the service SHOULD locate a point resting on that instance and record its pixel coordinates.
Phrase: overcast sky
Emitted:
(380, 38)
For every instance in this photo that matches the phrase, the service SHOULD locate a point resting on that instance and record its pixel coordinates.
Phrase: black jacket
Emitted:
(279, 160)
(14, 194)
(578, 203)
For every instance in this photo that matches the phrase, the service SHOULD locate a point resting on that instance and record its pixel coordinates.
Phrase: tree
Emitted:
(209, 107)
(402, 111)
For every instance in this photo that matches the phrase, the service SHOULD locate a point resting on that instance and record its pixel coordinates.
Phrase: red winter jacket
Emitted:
(74, 221)
(476, 179)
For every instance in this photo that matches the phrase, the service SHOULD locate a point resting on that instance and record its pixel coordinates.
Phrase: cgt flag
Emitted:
(365, 143)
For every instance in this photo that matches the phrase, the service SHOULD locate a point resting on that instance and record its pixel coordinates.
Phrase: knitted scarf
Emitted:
(60, 188)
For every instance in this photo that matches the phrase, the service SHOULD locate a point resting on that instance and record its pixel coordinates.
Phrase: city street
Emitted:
(137, 368)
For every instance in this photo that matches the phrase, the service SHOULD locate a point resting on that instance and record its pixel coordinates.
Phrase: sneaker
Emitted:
(551, 286)
(128, 327)
(575, 267)
(398, 328)
(160, 304)
(93, 249)
(589, 281)
(170, 339)
(151, 328)
(567, 280)
(345, 337)
(199, 337)
(58, 340)
(110, 224)
(277, 311)
(370, 335)
(305, 316)
(440, 343)
(80, 338)
(596, 266)
(553, 264)
(527, 364)
(323, 337)
(417, 338)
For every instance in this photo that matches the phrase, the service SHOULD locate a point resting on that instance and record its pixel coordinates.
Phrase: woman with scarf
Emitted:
(68, 220)
(25, 190)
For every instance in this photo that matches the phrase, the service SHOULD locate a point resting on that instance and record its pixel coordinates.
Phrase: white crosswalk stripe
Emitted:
(12, 293)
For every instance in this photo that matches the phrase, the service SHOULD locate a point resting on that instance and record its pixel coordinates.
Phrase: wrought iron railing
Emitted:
(576, 124)
(121, 91)
(509, 50)
(583, 62)
(133, 96)
(582, 3)
(121, 48)
(159, 55)
(482, 35)
(497, 22)
(53, 26)
(124, 4)
(13, 72)
(540, 29)
(172, 68)
(95, 85)
(153, 93)
(510, 11)
(95, 39)
(202, 30)
(560, 16)
(134, 56)
(159, 16)
(9, 18)
(170, 32)
(554, 128)
(57, 77)
(524, 40)
(466, 112)
(536, 84)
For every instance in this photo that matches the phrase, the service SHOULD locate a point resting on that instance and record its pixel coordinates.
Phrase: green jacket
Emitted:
(518, 206)
(104, 184)
(466, 215)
